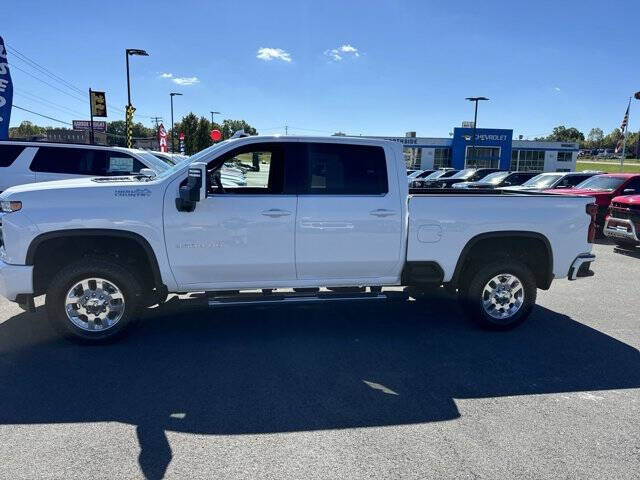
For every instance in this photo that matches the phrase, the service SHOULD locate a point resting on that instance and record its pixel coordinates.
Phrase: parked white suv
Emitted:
(30, 162)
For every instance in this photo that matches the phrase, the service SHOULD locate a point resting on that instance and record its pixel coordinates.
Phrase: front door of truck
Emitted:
(238, 235)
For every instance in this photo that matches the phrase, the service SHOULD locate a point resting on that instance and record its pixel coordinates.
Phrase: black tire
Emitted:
(472, 291)
(88, 267)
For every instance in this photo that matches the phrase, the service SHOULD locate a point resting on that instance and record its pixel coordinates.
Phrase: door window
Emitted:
(251, 169)
(336, 169)
(74, 161)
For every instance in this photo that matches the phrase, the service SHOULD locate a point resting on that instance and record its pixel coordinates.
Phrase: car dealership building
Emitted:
(494, 148)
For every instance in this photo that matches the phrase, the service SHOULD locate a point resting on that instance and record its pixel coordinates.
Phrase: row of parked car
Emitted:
(29, 162)
(617, 195)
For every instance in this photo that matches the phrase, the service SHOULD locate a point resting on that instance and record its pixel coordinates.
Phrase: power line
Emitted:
(44, 101)
(47, 83)
(41, 115)
(46, 71)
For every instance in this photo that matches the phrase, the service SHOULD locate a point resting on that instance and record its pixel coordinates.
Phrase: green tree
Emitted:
(26, 129)
(203, 140)
(229, 127)
(564, 134)
(188, 126)
(595, 137)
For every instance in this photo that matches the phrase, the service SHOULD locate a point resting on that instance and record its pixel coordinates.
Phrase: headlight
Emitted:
(8, 206)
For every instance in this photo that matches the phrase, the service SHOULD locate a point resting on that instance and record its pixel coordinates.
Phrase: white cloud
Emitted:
(166, 75)
(185, 81)
(267, 54)
(343, 51)
(557, 89)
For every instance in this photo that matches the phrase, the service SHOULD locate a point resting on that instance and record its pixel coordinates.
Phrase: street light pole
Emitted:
(475, 123)
(172, 94)
(127, 52)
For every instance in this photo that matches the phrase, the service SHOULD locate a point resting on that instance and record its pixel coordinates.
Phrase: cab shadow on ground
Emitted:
(235, 371)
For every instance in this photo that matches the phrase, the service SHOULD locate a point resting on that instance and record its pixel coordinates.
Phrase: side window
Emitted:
(250, 169)
(573, 180)
(9, 153)
(634, 184)
(122, 164)
(337, 169)
(75, 161)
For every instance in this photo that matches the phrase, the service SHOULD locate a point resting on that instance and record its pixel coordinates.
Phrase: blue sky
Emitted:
(363, 67)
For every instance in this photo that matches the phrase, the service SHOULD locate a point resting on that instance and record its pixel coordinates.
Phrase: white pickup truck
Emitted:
(317, 213)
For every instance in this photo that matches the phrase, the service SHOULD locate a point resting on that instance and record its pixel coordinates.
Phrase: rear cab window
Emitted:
(338, 169)
(74, 161)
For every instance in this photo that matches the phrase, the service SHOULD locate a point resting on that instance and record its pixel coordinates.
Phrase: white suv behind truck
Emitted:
(29, 162)
(320, 212)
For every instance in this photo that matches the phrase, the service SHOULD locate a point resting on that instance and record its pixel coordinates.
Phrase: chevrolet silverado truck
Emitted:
(324, 219)
(622, 224)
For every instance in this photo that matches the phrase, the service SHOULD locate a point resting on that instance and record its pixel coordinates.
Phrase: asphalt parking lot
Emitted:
(401, 389)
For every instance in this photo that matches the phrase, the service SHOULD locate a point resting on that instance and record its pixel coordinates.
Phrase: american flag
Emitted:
(623, 129)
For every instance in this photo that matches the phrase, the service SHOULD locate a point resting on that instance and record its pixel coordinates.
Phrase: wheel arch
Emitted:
(103, 234)
(510, 239)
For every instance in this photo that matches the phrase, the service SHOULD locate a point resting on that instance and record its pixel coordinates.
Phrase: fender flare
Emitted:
(99, 232)
(505, 234)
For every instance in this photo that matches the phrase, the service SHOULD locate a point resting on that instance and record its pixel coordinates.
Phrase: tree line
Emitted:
(196, 131)
(594, 139)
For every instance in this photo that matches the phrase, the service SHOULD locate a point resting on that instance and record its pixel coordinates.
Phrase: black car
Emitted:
(499, 180)
(466, 175)
(437, 174)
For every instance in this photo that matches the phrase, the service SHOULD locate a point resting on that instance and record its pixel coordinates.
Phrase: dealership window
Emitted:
(483, 157)
(565, 157)
(531, 160)
(442, 158)
(412, 157)
(514, 161)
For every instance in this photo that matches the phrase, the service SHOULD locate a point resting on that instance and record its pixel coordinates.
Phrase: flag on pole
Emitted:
(623, 129)
(6, 92)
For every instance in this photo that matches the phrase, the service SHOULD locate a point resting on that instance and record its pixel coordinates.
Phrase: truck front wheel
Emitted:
(499, 295)
(92, 300)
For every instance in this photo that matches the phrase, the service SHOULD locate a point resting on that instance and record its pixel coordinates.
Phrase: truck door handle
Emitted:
(275, 213)
(382, 212)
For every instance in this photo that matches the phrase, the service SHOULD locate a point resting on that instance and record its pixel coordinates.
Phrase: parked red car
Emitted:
(622, 224)
(604, 188)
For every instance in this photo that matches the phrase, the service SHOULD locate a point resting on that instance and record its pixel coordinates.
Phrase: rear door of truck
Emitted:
(350, 216)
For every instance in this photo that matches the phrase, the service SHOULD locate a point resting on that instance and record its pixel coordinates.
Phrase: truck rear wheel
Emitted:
(92, 300)
(499, 295)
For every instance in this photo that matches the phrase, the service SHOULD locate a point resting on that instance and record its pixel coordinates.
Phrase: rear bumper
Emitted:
(581, 266)
(622, 229)
(15, 280)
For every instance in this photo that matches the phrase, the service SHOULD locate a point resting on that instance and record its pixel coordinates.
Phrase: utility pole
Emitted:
(212, 114)
(172, 94)
(286, 129)
(156, 119)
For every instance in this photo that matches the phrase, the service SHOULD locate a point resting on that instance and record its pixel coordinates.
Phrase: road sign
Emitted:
(98, 104)
(98, 126)
(215, 135)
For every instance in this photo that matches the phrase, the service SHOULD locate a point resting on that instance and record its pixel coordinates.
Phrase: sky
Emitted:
(361, 67)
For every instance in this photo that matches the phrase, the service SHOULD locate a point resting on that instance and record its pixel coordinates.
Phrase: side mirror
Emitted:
(196, 188)
(629, 191)
(147, 172)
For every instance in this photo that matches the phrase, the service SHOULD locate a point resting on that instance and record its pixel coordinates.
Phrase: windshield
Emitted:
(466, 173)
(436, 174)
(414, 174)
(544, 180)
(495, 177)
(601, 183)
(202, 156)
(153, 162)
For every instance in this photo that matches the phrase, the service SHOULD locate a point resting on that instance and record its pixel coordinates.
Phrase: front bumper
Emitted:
(581, 266)
(15, 280)
(622, 229)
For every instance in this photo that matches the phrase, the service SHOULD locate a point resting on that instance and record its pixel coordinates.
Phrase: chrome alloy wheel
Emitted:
(94, 304)
(503, 296)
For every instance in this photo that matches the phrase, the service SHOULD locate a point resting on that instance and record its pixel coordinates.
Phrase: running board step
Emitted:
(295, 297)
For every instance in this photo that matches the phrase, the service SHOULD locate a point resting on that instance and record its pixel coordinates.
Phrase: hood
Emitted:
(85, 182)
(628, 199)
(602, 198)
